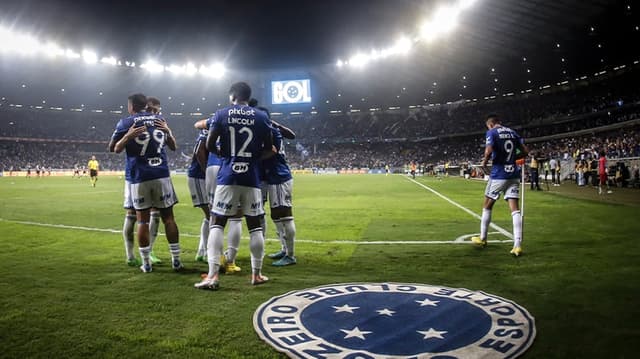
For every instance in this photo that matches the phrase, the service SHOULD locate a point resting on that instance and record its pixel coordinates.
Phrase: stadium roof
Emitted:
(497, 47)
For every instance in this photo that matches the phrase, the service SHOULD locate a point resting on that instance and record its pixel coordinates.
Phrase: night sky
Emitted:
(560, 39)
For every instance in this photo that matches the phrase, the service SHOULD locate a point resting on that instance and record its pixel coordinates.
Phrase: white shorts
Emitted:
(211, 180)
(230, 198)
(510, 187)
(280, 194)
(197, 188)
(128, 201)
(158, 193)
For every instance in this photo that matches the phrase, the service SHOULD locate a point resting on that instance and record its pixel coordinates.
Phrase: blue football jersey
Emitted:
(504, 142)
(243, 131)
(195, 171)
(276, 169)
(145, 155)
(213, 159)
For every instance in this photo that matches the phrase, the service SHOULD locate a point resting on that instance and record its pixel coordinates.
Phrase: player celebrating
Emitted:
(143, 136)
(245, 136)
(280, 189)
(153, 106)
(93, 170)
(197, 187)
(502, 144)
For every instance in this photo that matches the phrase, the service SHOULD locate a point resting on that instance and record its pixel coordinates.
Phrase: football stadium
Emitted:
(320, 179)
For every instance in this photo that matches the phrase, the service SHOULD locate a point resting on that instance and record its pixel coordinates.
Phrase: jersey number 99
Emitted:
(146, 137)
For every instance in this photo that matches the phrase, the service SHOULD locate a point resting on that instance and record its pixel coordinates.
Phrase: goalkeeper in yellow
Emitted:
(93, 170)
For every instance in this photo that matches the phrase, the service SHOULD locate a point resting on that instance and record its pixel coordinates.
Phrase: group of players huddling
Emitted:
(238, 163)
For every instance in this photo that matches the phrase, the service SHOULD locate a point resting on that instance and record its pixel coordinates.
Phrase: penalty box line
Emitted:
(310, 241)
(475, 215)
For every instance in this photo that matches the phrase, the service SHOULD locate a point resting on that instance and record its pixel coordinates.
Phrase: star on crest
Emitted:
(426, 301)
(345, 308)
(385, 311)
(355, 333)
(432, 333)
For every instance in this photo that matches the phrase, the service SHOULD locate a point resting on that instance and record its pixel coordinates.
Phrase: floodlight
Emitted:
(190, 69)
(52, 50)
(71, 54)
(109, 60)
(152, 66)
(465, 4)
(176, 69)
(339, 63)
(359, 60)
(89, 57)
(216, 70)
(444, 20)
(402, 46)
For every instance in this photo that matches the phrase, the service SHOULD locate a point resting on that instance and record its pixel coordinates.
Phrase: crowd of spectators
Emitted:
(450, 133)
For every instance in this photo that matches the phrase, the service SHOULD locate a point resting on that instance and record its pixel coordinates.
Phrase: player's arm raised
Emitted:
(212, 139)
(112, 145)
(170, 139)
(268, 149)
(130, 135)
(285, 131)
(201, 154)
(201, 125)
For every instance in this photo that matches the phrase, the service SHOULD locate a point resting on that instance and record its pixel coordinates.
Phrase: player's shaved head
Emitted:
(138, 102)
(240, 92)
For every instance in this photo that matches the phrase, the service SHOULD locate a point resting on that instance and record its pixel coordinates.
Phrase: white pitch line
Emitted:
(119, 231)
(492, 225)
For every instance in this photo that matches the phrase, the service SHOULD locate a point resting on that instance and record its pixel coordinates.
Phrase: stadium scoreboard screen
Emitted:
(290, 92)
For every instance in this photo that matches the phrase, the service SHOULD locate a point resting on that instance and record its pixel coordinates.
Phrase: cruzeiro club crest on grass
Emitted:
(394, 320)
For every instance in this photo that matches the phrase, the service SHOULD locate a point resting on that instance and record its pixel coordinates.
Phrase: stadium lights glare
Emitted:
(24, 44)
(216, 70)
(109, 60)
(53, 50)
(70, 54)
(443, 21)
(359, 60)
(89, 57)
(153, 67)
(402, 46)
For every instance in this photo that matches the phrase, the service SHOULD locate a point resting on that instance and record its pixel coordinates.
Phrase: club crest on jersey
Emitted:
(240, 167)
(398, 320)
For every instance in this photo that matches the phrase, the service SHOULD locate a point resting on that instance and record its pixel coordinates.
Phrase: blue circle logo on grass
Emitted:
(394, 320)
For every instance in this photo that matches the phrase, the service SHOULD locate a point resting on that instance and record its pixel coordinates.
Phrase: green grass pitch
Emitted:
(67, 292)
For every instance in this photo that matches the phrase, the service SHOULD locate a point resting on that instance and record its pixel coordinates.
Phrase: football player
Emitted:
(143, 135)
(280, 189)
(197, 187)
(245, 139)
(234, 233)
(503, 146)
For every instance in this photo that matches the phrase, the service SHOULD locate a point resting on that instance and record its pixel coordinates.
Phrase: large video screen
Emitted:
(290, 92)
